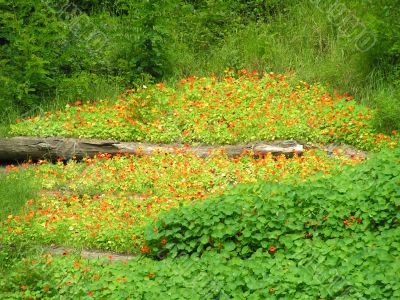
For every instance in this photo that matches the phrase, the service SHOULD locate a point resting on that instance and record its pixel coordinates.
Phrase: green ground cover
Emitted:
(54, 52)
(310, 226)
(240, 107)
(106, 202)
(15, 189)
(332, 237)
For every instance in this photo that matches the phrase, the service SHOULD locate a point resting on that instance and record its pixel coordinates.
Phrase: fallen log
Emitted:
(90, 254)
(36, 148)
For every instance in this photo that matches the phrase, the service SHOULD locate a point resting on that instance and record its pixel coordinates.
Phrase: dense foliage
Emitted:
(53, 51)
(343, 270)
(312, 226)
(241, 107)
(105, 202)
(360, 203)
(330, 239)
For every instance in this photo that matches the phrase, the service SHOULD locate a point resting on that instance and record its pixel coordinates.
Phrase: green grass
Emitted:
(307, 41)
(300, 39)
(83, 86)
(303, 38)
(16, 188)
(386, 99)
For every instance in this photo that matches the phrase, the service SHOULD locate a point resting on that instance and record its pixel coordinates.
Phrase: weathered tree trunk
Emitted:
(35, 148)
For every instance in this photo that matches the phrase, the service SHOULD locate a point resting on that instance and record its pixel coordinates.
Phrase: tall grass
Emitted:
(305, 40)
(204, 37)
(84, 87)
(16, 188)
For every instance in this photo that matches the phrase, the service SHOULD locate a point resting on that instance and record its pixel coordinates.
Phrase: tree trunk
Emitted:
(35, 148)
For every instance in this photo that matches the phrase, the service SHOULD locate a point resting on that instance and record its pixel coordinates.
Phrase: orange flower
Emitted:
(145, 249)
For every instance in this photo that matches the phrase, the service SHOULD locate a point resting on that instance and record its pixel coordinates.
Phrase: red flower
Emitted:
(358, 220)
(164, 241)
(272, 249)
(23, 287)
(145, 249)
(152, 275)
(345, 222)
(91, 294)
(155, 229)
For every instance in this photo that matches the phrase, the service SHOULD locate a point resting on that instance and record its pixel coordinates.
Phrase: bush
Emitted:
(30, 34)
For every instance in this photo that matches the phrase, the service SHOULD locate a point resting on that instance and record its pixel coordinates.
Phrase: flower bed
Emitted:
(105, 202)
(240, 107)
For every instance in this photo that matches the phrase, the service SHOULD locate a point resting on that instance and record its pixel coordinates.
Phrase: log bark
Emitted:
(36, 148)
